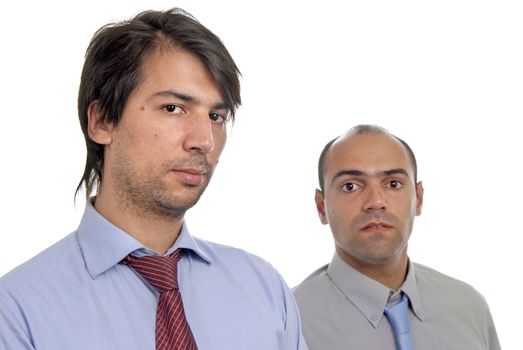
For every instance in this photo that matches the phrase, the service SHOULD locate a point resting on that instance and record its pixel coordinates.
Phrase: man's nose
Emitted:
(200, 134)
(375, 199)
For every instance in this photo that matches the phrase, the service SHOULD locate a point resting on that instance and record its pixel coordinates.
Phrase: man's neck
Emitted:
(391, 274)
(155, 232)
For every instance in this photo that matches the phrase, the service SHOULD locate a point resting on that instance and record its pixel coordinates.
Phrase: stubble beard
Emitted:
(145, 194)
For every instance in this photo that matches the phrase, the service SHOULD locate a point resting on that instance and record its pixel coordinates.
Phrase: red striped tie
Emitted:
(172, 330)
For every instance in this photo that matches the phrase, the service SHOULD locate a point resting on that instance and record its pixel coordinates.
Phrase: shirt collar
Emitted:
(104, 245)
(410, 287)
(368, 295)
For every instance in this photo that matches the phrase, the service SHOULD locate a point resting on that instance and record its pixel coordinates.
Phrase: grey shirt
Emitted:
(343, 309)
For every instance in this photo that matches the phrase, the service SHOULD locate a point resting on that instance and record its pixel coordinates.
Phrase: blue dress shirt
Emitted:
(76, 295)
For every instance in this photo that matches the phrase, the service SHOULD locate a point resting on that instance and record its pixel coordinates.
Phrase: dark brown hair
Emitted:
(113, 63)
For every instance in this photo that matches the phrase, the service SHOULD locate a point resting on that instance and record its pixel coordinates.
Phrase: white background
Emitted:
(446, 76)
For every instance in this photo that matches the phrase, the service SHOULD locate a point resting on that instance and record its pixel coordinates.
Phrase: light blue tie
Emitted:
(398, 317)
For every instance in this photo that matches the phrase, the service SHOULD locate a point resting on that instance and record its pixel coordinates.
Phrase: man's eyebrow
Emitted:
(178, 95)
(359, 173)
(349, 172)
(220, 105)
(188, 98)
(395, 171)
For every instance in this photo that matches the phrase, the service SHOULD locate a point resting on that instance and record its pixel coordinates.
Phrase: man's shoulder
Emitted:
(435, 277)
(224, 251)
(315, 282)
(244, 271)
(223, 255)
(53, 260)
(438, 282)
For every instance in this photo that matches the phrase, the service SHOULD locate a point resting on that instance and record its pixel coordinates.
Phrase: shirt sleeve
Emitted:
(492, 336)
(13, 329)
(293, 335)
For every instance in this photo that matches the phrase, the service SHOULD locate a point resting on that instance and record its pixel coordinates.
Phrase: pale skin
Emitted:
(160, 157)
(370, 201)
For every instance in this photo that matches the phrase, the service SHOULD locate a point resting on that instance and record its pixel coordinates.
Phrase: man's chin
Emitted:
(177, 206)
(170, 211)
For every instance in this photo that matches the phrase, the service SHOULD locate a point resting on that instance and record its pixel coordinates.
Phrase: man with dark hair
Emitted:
(155, 98)
(371, 296)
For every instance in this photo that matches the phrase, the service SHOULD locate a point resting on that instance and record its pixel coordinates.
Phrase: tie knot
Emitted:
(398, 315)
(159, 271)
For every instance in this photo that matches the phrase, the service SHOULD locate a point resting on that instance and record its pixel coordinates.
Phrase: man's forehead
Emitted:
(371, 153)
(174, 69)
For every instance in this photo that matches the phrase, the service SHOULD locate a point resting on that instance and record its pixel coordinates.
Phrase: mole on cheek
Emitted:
(142, 108)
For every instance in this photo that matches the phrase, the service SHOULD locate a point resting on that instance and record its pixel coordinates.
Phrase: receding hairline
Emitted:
(364, 129)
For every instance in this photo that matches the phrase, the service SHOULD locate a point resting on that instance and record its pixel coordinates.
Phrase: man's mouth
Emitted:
(190, 176)
(376, 225)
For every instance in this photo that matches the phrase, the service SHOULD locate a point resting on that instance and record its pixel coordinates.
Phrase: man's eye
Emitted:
(350, 187)
(395, 184)
(219, 118)
(172, 109)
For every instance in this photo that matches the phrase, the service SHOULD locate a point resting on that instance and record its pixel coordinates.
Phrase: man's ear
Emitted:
(98, 129)
(320, 206)
(419, 198)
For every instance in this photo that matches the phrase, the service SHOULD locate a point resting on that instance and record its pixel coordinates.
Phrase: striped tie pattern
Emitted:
(172, 330)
